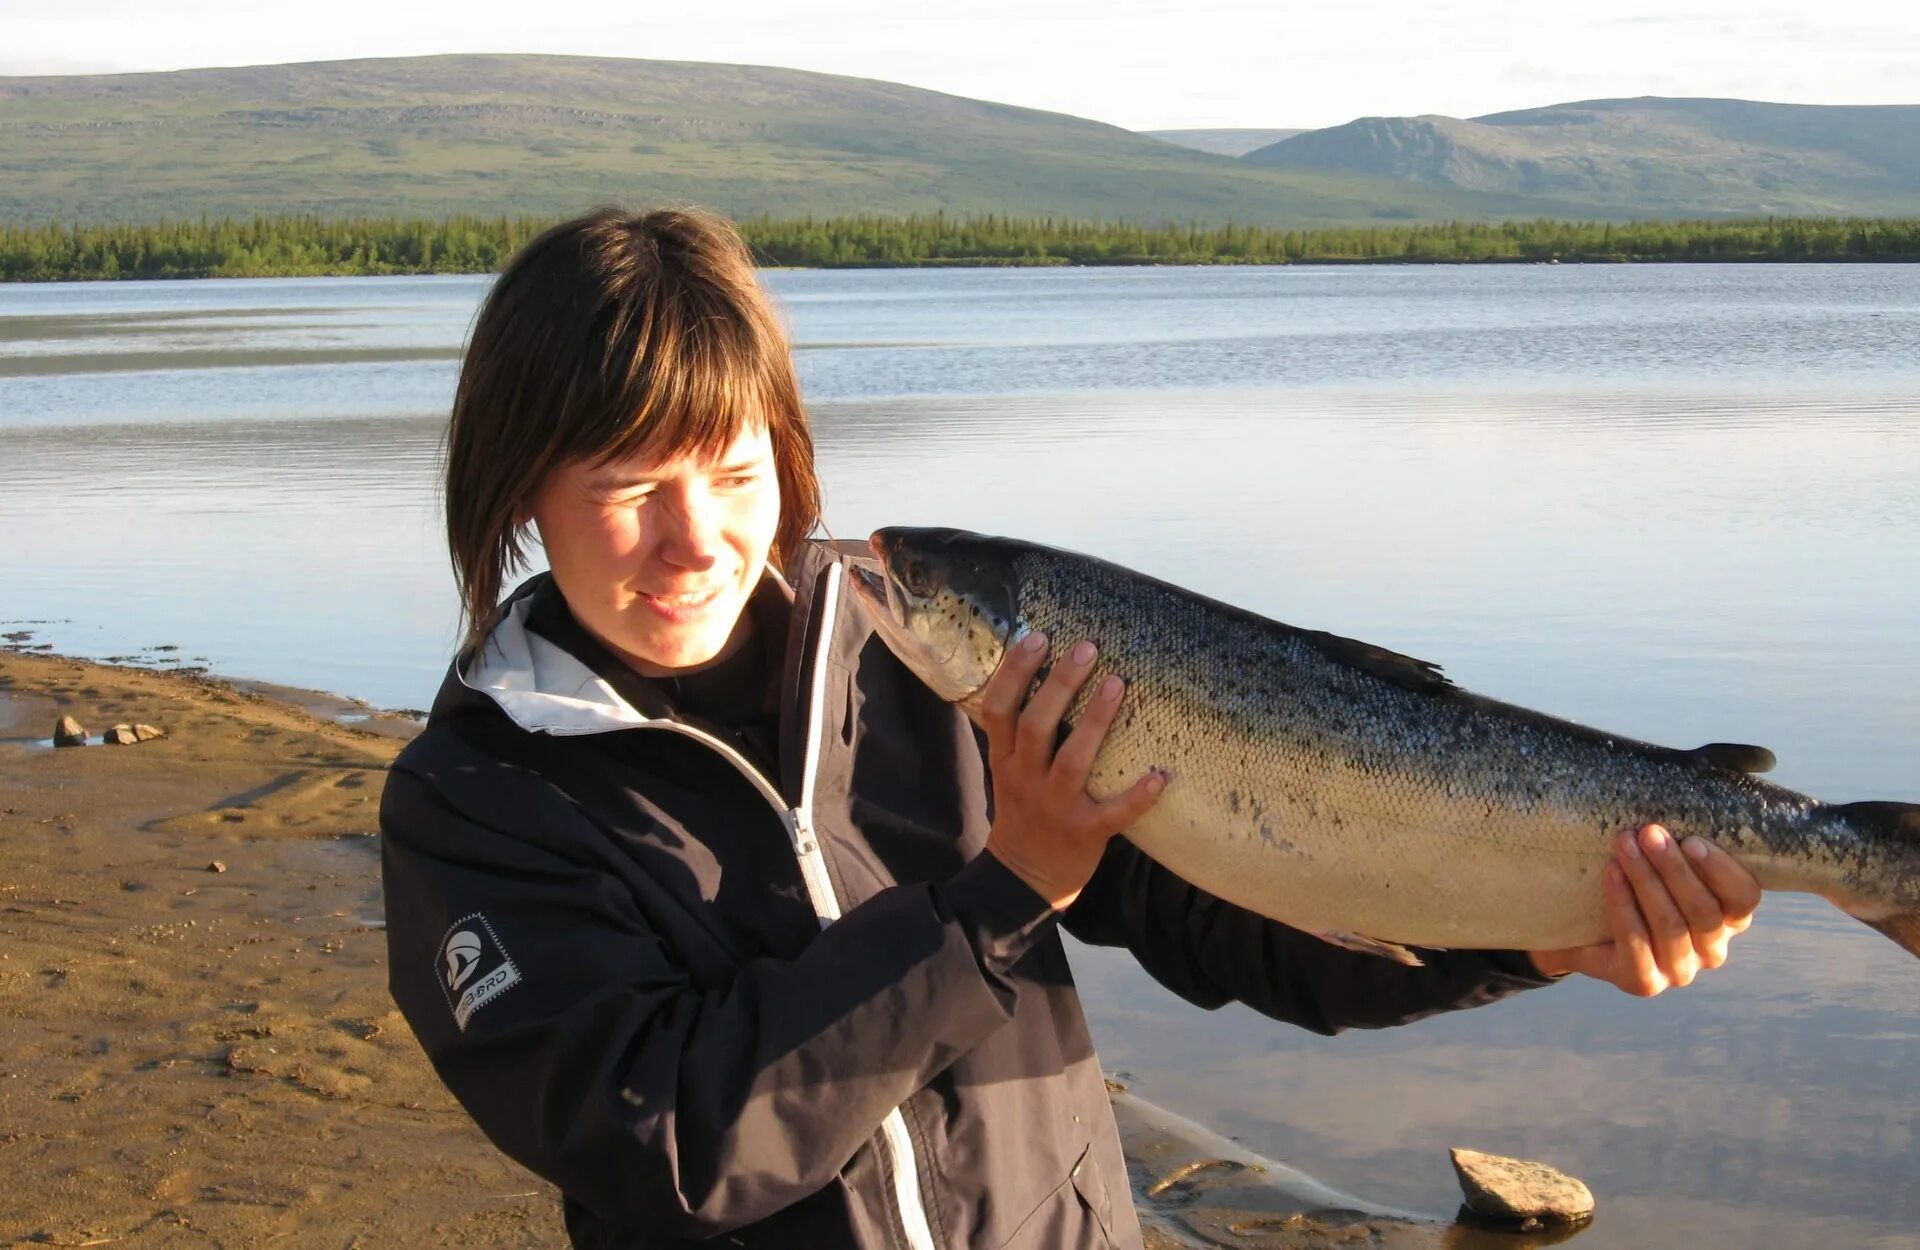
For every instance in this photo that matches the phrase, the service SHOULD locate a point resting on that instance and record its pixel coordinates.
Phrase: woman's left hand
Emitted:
(1672, 910)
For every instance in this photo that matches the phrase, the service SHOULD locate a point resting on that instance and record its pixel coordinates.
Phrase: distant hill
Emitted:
(548, 135)
(552, 135)
(1224, 142)
(1650, 156)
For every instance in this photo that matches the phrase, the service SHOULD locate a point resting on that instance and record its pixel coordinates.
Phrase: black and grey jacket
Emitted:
(800, 1010)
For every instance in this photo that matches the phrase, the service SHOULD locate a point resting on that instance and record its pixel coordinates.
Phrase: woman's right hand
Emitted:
(1045, 826)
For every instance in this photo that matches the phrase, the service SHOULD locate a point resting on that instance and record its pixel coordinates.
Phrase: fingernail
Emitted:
(1631, 845)
(1696, 848)
(1656, 839)
(1110, 687)
(1156, 782)
(1083, 652)
(1033, 642)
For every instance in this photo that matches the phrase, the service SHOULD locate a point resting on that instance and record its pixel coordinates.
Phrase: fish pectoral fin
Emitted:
(1373, 946)
(1738, 757)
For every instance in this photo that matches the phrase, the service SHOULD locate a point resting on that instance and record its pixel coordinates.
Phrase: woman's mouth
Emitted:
(683, 603)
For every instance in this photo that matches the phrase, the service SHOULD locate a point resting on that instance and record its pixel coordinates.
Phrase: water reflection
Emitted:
(1765, 1107)
(301, 551)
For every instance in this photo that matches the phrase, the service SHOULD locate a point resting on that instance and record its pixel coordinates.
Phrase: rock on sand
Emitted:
(69, 733)
(127, 735)
(1516, 1190)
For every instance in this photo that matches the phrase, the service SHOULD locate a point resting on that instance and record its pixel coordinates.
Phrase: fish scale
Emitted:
(1354, 792)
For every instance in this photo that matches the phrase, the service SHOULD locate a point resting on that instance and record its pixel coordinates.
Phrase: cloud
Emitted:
(42, 66)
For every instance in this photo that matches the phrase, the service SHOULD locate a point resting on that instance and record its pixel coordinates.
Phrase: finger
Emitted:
(1670, 939)
(1712, 947)
(1733, 885)
(1591, 961)
(1122, 810)
(1038, 730)
(1001, 697)
(1697, 904)
(1634, 968)
(1074, 762)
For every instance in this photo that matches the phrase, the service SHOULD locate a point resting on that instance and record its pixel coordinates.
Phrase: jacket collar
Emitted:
(543, 688)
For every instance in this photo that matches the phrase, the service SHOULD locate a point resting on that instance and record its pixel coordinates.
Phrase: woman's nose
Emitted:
(692, 537)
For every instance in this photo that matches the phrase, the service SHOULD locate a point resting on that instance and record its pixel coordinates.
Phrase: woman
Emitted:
(696, 898)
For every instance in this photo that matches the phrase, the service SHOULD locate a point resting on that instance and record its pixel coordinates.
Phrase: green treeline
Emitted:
(262, 247)
(314, 246)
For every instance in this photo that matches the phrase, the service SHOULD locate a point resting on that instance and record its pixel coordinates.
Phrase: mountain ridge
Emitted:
(511, 134)
(1644, 155)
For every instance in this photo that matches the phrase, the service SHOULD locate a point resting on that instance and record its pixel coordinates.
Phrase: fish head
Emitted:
(946, 602)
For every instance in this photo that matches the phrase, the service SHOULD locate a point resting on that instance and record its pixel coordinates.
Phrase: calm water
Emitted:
(1681, 503)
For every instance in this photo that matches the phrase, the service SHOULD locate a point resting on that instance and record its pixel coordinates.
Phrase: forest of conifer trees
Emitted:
(315, 246)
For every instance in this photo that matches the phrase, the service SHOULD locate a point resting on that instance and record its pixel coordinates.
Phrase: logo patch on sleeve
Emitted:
(474, 968)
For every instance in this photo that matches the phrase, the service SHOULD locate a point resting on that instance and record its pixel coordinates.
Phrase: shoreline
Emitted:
(199, 1040)
(1009, 262)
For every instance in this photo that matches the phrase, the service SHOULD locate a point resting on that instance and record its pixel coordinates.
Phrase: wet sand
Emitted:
(191, 1057)
(196, 1056)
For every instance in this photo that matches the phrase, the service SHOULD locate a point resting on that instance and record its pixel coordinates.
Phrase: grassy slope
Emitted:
(548, 135)
(1648, 156)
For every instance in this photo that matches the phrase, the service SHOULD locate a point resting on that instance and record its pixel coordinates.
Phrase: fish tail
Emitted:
(1896, 825)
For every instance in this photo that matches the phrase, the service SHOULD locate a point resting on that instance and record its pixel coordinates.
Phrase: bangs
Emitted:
(684, 374)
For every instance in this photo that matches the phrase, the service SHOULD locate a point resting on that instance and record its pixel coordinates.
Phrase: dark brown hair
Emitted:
(614, 335)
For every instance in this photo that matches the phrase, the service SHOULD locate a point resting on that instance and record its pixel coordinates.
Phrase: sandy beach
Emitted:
(196, 1043)
(194, 1056)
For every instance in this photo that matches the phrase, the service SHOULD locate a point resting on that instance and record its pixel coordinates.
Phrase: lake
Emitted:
(1681, 503)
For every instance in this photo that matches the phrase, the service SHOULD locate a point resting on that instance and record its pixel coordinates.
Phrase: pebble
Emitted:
(1518, 1190)
(69, 733)
(216, 866)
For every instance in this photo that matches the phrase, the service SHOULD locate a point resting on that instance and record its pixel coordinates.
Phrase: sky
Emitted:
(1134, 63)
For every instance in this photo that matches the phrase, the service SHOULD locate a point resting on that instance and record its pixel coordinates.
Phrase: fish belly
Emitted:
(1374, 863)
(1410, 886)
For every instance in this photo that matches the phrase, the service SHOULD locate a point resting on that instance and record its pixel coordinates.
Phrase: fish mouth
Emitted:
(877, 588)
(887, 601)
(878, 593)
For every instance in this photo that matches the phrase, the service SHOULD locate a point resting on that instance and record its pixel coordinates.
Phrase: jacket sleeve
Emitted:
(1211, 952)
(600, 1065)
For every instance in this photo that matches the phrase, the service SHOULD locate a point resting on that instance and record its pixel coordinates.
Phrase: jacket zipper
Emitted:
(826, 905)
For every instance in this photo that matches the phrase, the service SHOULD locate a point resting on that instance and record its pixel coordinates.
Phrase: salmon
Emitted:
(1356, 793)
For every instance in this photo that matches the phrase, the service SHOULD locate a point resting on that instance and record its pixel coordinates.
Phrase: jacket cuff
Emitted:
(1001, 915)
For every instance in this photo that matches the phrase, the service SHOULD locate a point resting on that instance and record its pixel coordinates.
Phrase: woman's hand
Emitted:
(1045, 827)
(1672, 911)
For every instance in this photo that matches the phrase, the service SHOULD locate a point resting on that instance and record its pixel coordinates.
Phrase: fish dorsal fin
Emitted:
(1738, 757)
(1402, 670)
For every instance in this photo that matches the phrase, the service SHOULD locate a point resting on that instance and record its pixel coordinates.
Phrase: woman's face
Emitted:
(658, 560)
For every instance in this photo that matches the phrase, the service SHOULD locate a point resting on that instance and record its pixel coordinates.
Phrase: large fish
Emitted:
(1356, 793)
